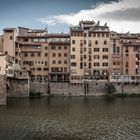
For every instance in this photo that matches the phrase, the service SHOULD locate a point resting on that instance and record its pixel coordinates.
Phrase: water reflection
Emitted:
(74, 118)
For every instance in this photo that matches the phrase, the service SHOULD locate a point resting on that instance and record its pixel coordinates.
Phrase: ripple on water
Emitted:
(71, 120)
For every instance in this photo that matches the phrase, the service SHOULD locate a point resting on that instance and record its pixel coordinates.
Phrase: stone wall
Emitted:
(92, 88)
(3, 95)
(128, 88)
(59, 88)
(39, 87)
(95, 88)
(17, 88)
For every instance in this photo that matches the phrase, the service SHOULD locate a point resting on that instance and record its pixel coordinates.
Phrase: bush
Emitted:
(35, 94)
(109, 88)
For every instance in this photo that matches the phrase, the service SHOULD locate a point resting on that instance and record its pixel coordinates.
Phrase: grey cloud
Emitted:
(132, 14)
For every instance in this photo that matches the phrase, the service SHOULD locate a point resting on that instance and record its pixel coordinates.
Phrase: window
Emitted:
(73, 49)
(53, 47)
(137, 56)
(25, 39)
(16, 53)
(81, 58)
(72, 56)
(126, 71)
(89, 65)
(65, 54)
(59, 62)
(39, 69)
(59, 55)
(32, 54)
(105, 49)
(85, 56)
(54, 62)
(6, 52)
(65, 61)
(94, 34)
(118, 50)
(127, 64)
(90, 34)
(59, 47)
(96, 49)
(81, 42)
(114, 50)
(127, 55)
(65, 47)
(105, 64)
(85, 42)
(16, 61)
(96, 64)
(46, 54)
(103, 34)
(45, 63)
(96, 42)
(105, 57)
(73, 63)
(107, 34)
(89, 57)
(85, 64)
(11, 37)
(85, 49)
(65, 69)
(85, 34)
(98, 34)
(105, 42)
(89, 51)
(89, 43)
(96, 56)
(53, 54)
(73, 41)
(81, 65)
(46, 69)
(39, 54)
(46, 47)
(114, 62)
(25, 54)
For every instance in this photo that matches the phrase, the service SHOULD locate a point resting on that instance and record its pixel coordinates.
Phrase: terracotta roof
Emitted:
(131, 44)
(46, 36)
(8, 29)
(28, 44)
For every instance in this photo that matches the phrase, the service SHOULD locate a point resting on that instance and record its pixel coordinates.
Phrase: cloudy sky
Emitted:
(57, 15)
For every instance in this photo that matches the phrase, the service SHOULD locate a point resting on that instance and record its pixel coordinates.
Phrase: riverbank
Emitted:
(119, 95)
(20, 88)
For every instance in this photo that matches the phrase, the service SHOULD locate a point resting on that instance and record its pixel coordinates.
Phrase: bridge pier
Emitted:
(3, 94)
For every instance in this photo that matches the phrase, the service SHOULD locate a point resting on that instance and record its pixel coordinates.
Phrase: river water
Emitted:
(70, 118)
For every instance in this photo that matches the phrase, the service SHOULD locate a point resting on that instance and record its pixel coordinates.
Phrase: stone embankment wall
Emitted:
(17, 88)
(3, 95)
(39, 87)
(92, 88)
(95, 88)
(128, 88)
